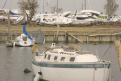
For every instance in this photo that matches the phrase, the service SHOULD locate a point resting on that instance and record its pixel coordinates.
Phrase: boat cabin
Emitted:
(66, 55)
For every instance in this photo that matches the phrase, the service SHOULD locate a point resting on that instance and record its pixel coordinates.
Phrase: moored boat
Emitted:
(65, 64)
(25, 39)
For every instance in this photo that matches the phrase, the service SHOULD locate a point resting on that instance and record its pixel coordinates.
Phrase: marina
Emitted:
(67, 35)
(60, 40)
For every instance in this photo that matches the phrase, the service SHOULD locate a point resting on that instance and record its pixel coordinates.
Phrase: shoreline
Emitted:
(33, 27)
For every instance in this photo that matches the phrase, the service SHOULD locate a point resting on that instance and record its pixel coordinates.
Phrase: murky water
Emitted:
(14, 60)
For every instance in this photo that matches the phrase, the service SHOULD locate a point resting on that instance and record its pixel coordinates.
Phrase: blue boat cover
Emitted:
(25, 32)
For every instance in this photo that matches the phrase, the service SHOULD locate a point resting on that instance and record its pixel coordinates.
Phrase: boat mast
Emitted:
(57, 7)
(82, 5)
(58, 26)
(43, 7)
(8, 24)
(85, 4)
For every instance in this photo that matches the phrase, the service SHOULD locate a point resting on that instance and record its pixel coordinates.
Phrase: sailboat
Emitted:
(25, 39)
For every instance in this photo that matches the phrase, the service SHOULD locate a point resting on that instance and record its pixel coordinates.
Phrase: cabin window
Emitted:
(49, 57)
(55, 58)
(62, 58)
(72, 59)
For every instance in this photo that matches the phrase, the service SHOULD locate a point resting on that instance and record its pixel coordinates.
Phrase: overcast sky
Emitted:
(67, 5)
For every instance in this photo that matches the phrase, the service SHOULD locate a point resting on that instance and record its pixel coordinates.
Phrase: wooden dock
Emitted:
(67, 37)
(66, 34)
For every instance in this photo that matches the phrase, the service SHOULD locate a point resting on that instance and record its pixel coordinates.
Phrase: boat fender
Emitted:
(38, 76)
(26, 70)
(14, 43)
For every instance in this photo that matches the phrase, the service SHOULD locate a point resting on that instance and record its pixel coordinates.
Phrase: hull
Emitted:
(21, 45)
(36, 69)
(73, 72)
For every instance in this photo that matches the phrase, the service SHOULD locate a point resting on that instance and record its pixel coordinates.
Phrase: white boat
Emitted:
(51, 19)
(15, 16)
(24, 40)
(88, 17)
(64, 64)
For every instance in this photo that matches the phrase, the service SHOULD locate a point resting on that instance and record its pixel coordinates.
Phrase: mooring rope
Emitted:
(105, 52)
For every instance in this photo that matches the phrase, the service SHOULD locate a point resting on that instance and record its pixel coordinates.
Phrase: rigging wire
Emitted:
(111, 77)
(1, 3)
(105, 52)
(4, 4)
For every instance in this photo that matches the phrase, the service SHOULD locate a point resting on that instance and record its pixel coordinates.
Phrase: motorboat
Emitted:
(59, 63)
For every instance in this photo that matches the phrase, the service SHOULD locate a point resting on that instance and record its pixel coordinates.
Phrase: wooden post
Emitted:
(57, 34)
(118, 47)
(8, 29)
(87, 38)
(66, 37)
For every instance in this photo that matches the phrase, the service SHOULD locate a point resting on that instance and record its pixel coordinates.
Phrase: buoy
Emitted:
(26, 70)
(14, 43)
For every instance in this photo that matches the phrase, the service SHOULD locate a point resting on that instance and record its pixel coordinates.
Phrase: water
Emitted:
(13, 61)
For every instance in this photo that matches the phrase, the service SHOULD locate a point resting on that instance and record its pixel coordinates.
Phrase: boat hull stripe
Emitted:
(95, 65)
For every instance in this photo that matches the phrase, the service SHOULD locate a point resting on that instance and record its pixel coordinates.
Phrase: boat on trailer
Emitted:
(67, 64)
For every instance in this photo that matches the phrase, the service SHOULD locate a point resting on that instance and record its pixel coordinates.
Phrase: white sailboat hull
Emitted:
(20, 42)
(23, 44)
(72, 74)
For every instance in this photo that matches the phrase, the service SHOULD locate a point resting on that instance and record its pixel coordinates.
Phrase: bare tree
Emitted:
(31, 6)
(111, 7)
